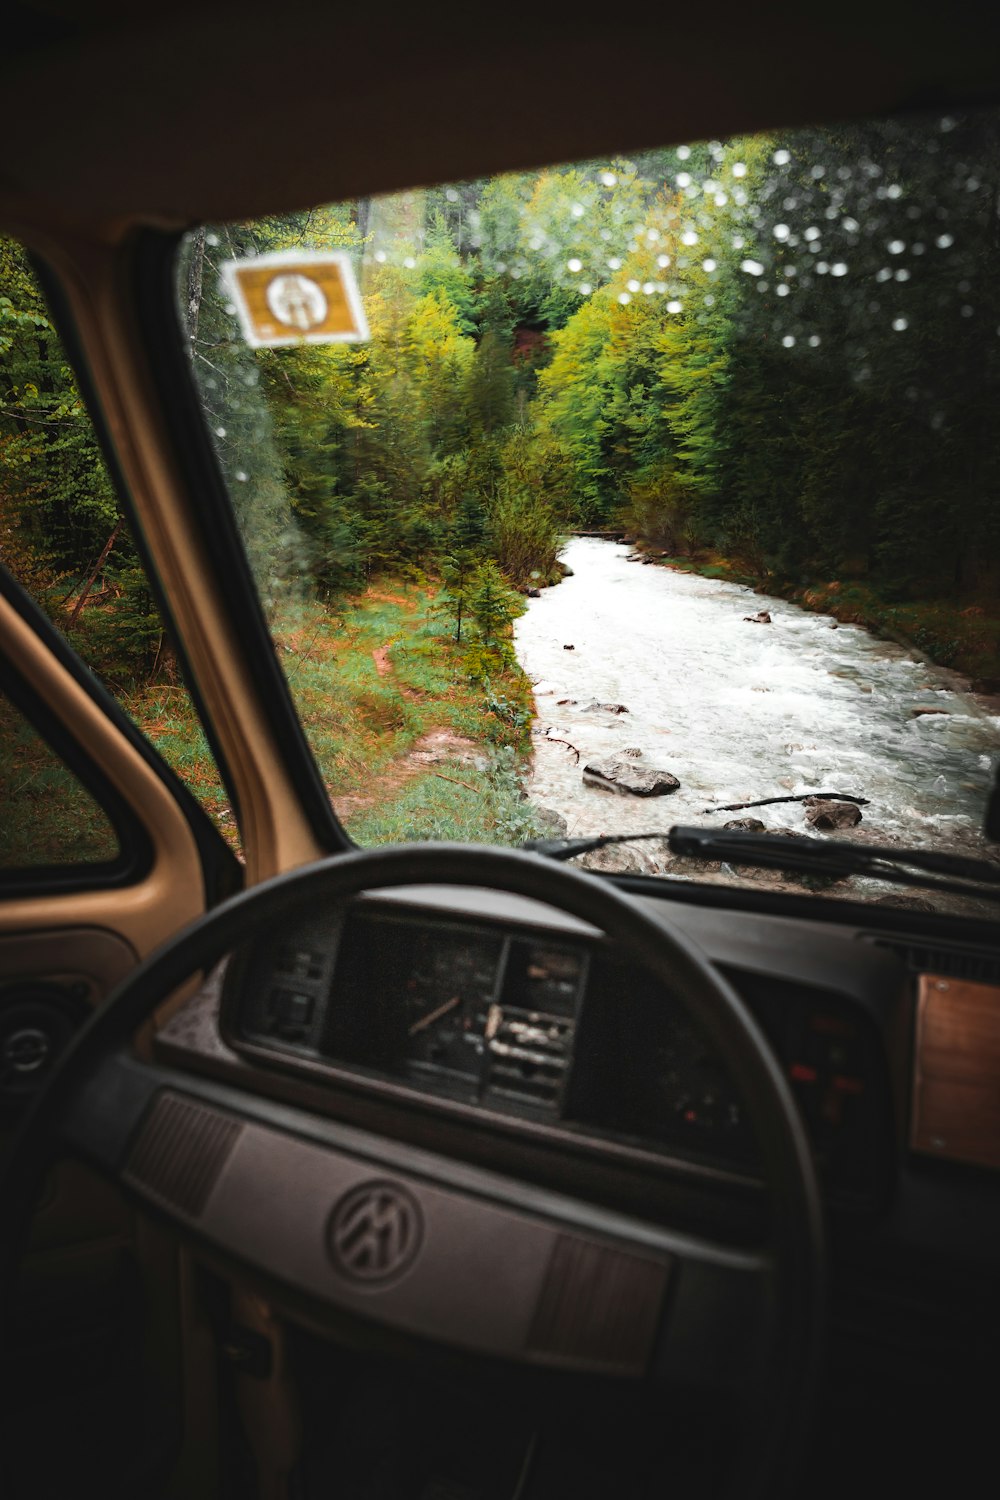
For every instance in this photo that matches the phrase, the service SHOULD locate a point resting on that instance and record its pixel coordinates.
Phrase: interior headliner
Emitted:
(140, 121)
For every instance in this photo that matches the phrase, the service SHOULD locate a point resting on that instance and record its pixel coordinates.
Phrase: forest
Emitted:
(777, 357)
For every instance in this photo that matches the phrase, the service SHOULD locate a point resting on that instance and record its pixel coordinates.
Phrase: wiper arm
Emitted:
(963, 875)
(570, 848)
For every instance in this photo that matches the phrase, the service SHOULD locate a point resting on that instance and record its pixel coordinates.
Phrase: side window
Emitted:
(47, 817)
(64, 540)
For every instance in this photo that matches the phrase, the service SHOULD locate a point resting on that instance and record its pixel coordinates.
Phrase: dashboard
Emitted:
(548, 1034)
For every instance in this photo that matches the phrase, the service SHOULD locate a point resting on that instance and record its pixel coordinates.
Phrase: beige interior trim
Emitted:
(276, 834)
(172, 892)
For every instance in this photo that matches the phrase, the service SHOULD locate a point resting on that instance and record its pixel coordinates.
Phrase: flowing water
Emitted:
(740, 711)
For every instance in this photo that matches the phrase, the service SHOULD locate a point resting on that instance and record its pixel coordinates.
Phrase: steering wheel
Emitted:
(489, 1263)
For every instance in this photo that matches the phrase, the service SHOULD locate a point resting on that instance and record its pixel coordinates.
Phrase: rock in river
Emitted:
(760, 618)
(746, 825)
(619, 775)
(821, 813)
(606, 708)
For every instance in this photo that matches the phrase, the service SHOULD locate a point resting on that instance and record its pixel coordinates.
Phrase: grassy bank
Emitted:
(408, 745)
(962, 634)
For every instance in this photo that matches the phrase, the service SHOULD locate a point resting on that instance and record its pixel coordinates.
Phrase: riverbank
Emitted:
(963, 636)
(409, 747)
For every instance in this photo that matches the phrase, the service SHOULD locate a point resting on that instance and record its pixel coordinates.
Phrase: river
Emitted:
(740, 711)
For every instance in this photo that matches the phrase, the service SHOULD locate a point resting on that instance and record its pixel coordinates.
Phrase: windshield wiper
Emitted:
(962, 875)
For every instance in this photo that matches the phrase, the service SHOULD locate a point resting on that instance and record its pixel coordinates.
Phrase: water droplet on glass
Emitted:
(633, 285)
(609, 179)
(850, 225)
(585, 289)
(902, 274)
(752, 267)
(231, 308)
(212, 239)
(822, 268)
(944, 240)
(663, 260)
(838, 268)
(708, 265)
(220, 432)
(894, 190)
(649, 287)
(900, 324)
(242, 476)
(788, 340)
(674, 306)
(967, 311)
(683, 179)
(451, 195)
(624, 297)
(683, 152)
(578, 210)
(817, 172)
(709, 300)
(689, 237)
(896, 247)
(574, 265)
(812, 233)
(738, 242)
(380, 255)
(614, 264)
(884, 275)
(781, 231)
(739, 169)
(783, 289)
(409, 262)
(782, 157)
(721, 199)
(814, 341)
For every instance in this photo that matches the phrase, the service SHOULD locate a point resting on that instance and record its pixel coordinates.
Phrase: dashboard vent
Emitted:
(181, 1151)
(977, 965)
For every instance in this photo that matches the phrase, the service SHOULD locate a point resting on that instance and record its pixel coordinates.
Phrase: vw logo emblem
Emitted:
(374, 1232)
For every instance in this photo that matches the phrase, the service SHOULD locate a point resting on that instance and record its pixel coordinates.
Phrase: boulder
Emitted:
(633, 751)
(821, 813)
(569, 648)
(619, 775)
(553, 824)
(533, 593)
(919, 713)
(635, 557)
(746, 825)
(760, 618)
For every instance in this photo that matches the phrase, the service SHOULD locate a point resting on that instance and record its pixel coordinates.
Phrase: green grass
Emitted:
(46, 816)
(486, 808)
(361, 722)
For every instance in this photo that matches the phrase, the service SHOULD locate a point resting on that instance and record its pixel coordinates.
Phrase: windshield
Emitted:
(650, 490)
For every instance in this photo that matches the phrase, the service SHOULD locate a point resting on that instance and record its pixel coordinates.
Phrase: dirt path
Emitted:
(438, 747)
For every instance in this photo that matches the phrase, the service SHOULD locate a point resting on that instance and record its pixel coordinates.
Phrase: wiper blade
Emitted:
(963, 875)
(953, 873)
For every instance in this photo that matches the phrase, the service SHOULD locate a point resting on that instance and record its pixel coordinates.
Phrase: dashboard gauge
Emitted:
(447, 996)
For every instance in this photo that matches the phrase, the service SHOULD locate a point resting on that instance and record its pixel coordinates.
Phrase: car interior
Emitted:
(267, 1230)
